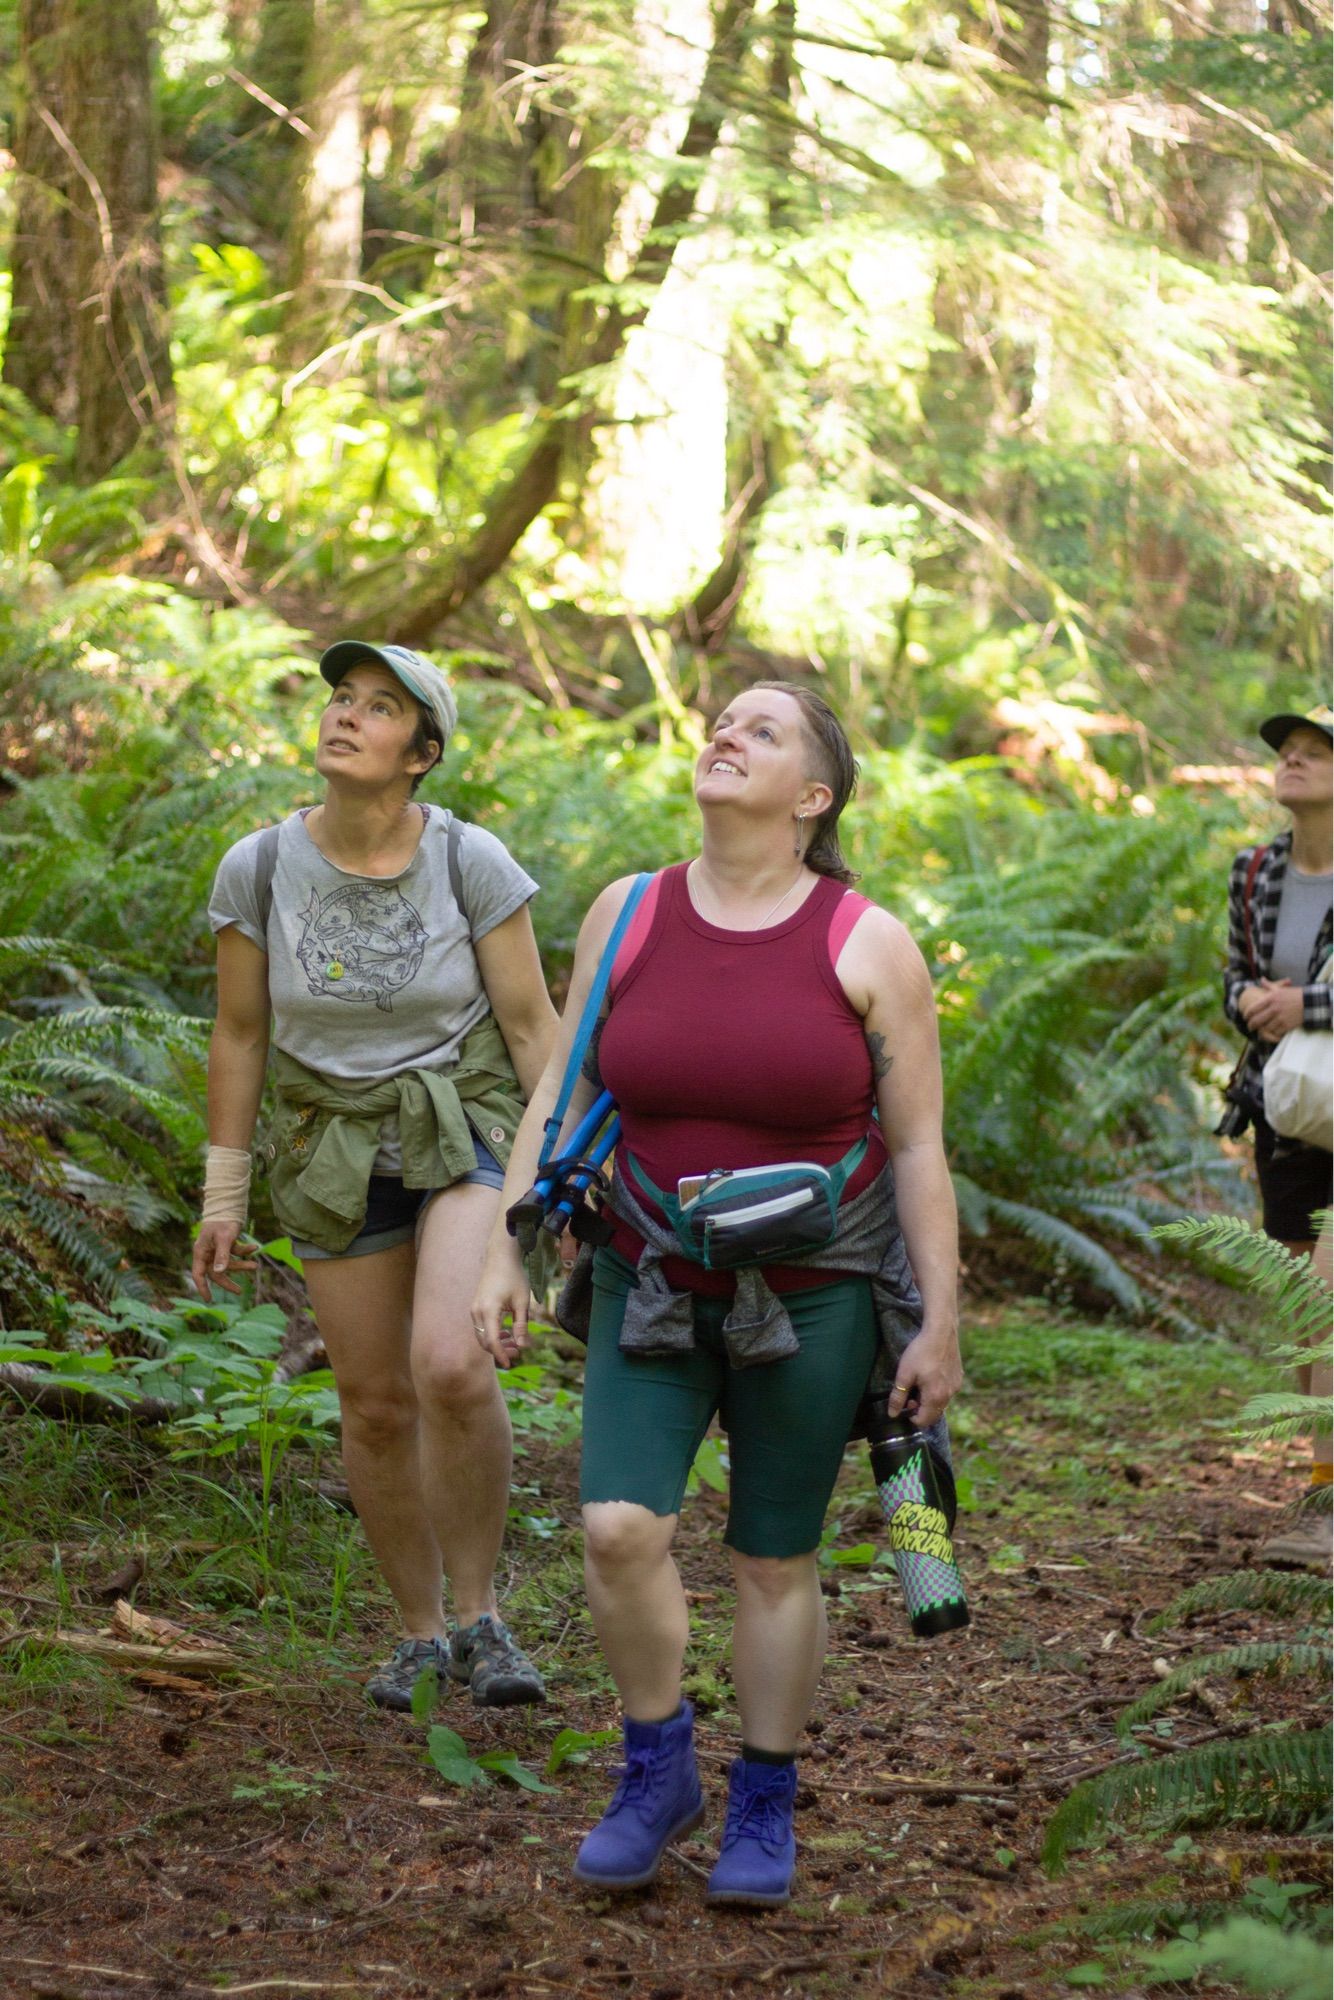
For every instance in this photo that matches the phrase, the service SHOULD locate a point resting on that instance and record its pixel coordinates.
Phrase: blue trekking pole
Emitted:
(556, 1199)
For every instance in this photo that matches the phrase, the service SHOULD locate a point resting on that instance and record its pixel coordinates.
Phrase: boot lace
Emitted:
(640, 1780)
(756, 1815)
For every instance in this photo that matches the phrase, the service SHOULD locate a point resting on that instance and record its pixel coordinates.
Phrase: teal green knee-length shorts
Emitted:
(787, 1422)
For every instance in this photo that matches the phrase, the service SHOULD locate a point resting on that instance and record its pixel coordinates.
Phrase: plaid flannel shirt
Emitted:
(1266, 891)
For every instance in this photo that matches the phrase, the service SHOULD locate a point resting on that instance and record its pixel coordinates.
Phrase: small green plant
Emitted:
(1256, 1953)
(710, 1468)
(452, 1760)
(572, 1746)
(279, 1788)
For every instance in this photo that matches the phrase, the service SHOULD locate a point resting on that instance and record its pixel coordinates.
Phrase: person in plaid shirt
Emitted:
(1279, 926)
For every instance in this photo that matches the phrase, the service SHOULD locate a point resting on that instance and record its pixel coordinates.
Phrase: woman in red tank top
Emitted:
(759, 1013)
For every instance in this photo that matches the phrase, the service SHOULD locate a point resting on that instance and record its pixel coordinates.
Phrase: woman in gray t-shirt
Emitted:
(388, 953)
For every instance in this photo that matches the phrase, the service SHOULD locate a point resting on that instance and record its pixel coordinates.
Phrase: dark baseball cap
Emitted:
(421, 677)
(1276, 729)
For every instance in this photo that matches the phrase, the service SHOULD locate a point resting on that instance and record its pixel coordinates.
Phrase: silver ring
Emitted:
(477, 1327)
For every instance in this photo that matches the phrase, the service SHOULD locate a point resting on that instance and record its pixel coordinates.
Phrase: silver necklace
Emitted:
(770, 914)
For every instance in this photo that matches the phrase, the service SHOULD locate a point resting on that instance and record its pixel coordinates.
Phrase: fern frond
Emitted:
(79, 1245)
(1287, 1593)
(1300, 1299)
(973, 1204)
(1255, 1955)
(1145, 1918)
(1021, 1017)
(1280, 1415)
(1281, 1777)
(1062, 1239)
(1258, 1656)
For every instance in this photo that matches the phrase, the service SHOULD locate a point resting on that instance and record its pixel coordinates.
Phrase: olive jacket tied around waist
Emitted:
(758, 1328)
(321, 1147)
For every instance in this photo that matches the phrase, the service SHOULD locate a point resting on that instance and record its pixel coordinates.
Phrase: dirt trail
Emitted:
(129, 1868)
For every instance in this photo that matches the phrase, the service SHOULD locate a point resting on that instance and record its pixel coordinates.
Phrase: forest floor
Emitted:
(270, 1833)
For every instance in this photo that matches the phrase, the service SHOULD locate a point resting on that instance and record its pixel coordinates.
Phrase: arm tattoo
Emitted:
(881, 1064)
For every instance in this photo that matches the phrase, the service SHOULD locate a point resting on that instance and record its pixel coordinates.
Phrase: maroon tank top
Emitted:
(737, 1049)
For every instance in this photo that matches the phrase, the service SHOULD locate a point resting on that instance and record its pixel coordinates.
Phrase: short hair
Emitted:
(833, 764)
(425, 737)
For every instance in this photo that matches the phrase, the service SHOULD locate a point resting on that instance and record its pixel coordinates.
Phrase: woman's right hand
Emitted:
(215, 1255)
(501, 1303)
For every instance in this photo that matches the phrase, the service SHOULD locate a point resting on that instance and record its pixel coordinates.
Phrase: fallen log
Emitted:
(204, 1661)
(50, 1396)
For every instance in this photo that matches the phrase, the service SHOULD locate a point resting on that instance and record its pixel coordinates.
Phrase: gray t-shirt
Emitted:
(371, 975)
(1301, 911)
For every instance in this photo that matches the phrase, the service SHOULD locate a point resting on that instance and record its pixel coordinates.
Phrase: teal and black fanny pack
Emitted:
(756, 1215)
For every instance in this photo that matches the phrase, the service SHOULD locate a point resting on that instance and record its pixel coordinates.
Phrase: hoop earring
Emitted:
(798, 845)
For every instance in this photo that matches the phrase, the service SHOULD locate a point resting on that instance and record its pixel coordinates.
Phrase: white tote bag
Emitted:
(1299, 1084)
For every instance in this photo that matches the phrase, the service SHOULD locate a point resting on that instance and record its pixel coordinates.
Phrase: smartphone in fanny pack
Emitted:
(751, 1215)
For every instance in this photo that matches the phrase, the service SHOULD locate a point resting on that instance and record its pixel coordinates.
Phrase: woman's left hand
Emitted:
(500, 1305)
(929, 1372)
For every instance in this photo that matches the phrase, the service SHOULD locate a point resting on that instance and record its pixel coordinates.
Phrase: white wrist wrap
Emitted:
(226, 1184)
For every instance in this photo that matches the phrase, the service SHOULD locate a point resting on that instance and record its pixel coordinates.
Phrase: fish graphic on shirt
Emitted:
(361, 942)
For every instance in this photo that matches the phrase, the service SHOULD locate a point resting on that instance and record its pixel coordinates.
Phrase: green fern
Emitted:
(80, 1246)
(1062, 1240)
(1259, 1656)
(1277, 1777)
(1299, 1297)
(1251, 1954)
(1146, 1917)
(1287, 1593)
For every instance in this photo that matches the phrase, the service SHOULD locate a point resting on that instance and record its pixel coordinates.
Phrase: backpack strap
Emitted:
(1252, 870)
(266, 861)
(453, 842)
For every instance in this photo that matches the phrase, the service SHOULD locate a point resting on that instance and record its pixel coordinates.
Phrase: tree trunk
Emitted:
(494, 176)
(1210, 191)
(39, 349)
(326, 225)
(122, 369)
(706, 621)
(533, 483)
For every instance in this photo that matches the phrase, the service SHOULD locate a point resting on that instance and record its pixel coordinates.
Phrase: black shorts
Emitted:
(1295, 1181)
(394, 1212)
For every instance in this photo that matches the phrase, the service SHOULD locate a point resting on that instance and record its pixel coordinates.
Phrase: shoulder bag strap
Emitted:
(583, 1034)
(1252, 871)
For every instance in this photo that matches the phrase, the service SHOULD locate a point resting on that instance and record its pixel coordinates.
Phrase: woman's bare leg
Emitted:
(466, 1446)
(363, 1306)
(638, 1605)
(778, 1647)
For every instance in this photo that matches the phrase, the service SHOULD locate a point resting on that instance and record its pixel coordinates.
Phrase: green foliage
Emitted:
(1253, 1955)
(1274, 1779)
(1275, 1776)
(99, 1115)
(1258, 1656)
(279, 1788)
(217, 1364)
(1284, 1592)
(1295, 1295)
(571, 1746)
(451, 1759)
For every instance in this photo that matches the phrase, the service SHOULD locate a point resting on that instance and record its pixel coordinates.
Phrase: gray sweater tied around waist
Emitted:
(758, 1328)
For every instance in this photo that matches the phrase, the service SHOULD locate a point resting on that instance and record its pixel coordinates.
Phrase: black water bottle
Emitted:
(920, 1518)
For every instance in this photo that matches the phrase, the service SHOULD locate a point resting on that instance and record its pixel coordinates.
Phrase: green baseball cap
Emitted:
(421, 677)
(1276, 730)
